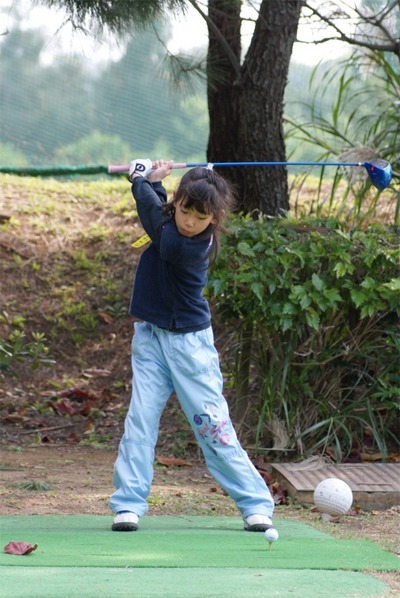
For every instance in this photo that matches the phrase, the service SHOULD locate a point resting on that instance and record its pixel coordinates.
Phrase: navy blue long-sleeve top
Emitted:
(172, 271)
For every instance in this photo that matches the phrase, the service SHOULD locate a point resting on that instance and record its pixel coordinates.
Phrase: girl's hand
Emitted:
(140, 167)
(161, 169)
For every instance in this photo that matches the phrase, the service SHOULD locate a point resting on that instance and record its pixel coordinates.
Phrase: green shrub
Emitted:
(313, 313)
(17, 349)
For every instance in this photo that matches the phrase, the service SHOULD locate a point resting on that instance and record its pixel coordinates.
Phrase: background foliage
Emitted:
(70, 110)
(125, 108)
(312, 314)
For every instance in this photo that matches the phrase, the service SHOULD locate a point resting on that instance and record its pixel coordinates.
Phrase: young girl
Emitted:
(173, 346)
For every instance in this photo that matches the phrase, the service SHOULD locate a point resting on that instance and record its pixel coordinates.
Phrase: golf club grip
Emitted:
(115, 168)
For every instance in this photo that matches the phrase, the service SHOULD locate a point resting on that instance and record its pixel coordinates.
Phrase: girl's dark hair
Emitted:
(207, 192)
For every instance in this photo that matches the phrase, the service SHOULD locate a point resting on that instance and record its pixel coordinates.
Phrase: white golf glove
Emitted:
(141, 166)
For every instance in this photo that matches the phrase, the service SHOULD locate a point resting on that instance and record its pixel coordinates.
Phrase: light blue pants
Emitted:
(188, 363)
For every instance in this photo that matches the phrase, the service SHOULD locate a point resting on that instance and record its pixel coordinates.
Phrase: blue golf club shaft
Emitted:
(379, 171)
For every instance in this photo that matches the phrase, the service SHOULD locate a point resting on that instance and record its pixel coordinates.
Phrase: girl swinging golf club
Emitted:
(173, 347)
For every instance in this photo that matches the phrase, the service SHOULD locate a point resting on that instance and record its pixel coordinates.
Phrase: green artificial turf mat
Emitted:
(55, 582)
(183, 542)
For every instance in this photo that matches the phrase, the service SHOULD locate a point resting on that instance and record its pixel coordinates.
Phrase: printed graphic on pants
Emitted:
(214, 433)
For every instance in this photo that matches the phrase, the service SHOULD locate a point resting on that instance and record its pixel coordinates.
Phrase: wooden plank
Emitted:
(374, 485)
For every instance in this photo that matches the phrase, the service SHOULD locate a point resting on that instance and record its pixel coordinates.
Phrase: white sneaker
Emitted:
(125, 522)
(257, 523)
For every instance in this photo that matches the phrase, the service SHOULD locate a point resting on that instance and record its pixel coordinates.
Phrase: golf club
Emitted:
(379, 171)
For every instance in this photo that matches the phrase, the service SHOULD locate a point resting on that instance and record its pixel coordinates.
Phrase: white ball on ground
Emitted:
(333, 497)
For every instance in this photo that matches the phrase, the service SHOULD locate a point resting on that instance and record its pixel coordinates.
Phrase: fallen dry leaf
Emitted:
(19, 548)
(107, 318)
(279, 495)
(63, 407)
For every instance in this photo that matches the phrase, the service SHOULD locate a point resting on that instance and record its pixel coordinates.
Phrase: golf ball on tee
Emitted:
(271, 534)
(333, 497)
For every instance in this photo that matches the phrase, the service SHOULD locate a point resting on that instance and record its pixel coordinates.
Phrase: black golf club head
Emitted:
(379, 172)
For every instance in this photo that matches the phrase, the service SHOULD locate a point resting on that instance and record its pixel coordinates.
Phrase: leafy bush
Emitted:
(17, 349)
(313, 312)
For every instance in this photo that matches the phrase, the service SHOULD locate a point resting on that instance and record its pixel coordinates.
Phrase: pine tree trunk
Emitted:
(254, 94)
(222, 74)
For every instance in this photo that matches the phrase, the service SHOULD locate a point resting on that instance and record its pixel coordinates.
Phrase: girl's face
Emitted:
(190, 222)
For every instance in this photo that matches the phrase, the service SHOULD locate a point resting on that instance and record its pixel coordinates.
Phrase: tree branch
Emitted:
(231, 55)
(391, 45)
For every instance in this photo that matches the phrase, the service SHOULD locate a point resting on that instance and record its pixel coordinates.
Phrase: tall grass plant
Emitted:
(362, 123)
